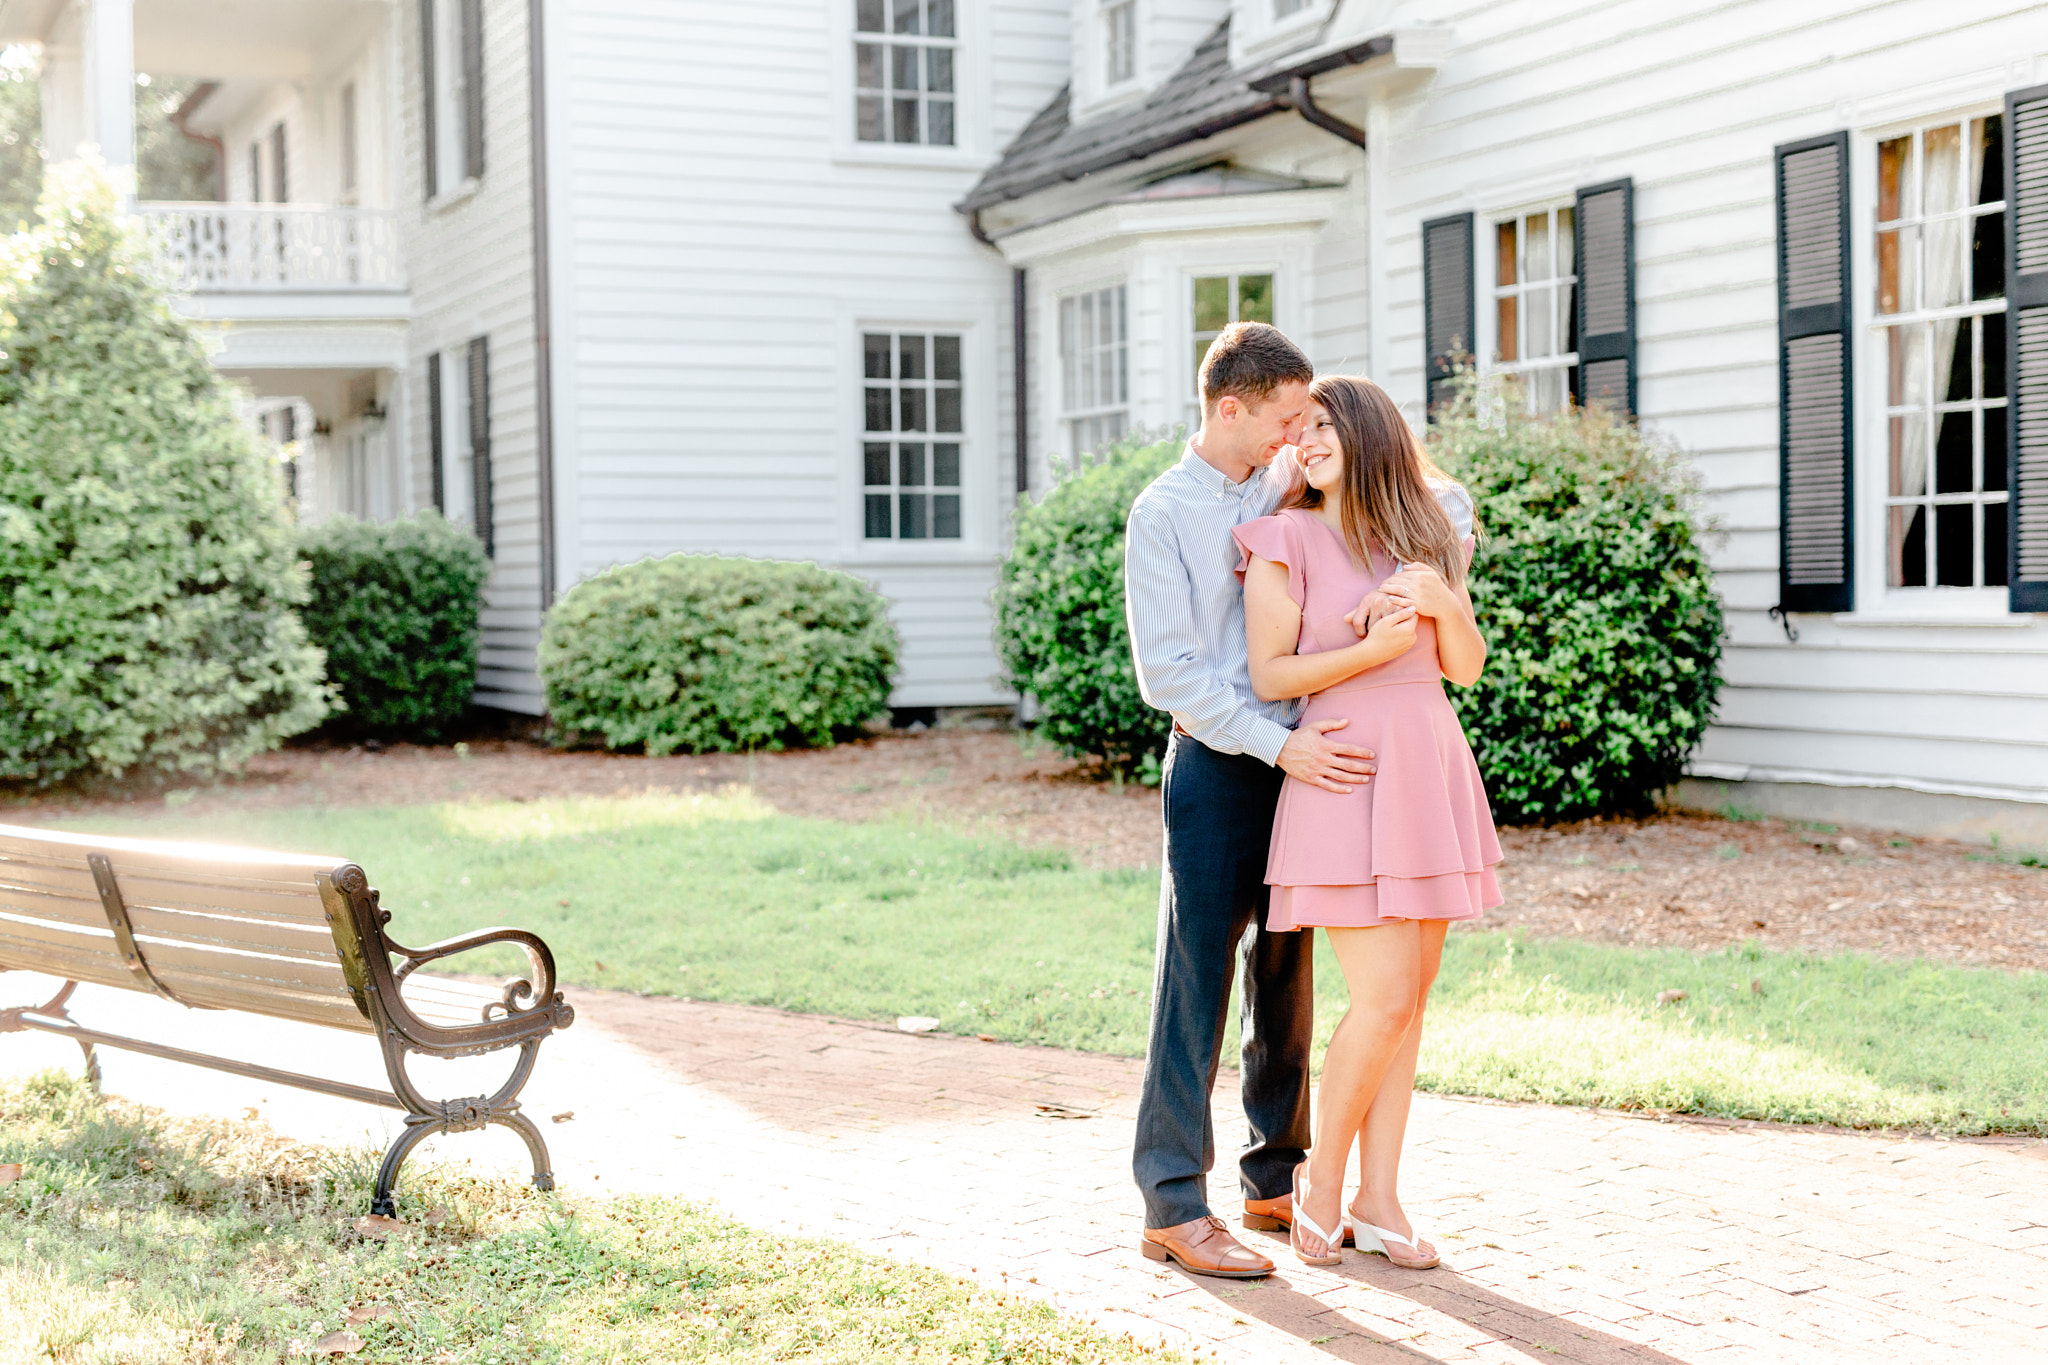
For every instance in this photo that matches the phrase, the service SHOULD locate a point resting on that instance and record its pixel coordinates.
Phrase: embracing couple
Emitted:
(1296, 595)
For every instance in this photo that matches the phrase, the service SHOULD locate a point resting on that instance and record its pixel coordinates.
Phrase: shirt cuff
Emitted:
(1265, 739)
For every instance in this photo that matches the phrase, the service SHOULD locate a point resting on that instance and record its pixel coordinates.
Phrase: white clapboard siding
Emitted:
(1689, 97)
(719, 241)
(471, 265)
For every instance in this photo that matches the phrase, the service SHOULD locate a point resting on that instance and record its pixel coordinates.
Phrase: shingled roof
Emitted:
(1201, 99)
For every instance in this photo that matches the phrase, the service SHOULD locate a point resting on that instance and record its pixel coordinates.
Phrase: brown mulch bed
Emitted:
(1681, 880)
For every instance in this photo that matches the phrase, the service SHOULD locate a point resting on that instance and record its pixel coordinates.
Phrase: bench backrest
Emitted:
(229, 928)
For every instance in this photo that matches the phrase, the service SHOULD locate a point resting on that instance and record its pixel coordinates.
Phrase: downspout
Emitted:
(1303, 98)
(1020, 370)
(543, 313)
(201, 93)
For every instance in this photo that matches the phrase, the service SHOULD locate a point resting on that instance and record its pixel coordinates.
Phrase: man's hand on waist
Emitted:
(1312, 757)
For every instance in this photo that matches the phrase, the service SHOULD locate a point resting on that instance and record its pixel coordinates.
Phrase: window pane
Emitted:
(910, 508)
(1504, 347)
(867, 65)
(878, 410)
(1908, 456)
(903, 62)
(1539, 335)
(1995, 548)
(906, 14)
(946, 516)
(945, 410)
(868, 119)
(1988, 143)
(911, 347)
(1987, 257)
(875, 464)
(938, 64)
(940, 19)
(1995, 453)
(1897, 274)
(1892, 159)
(878, 516)
(910, 464)
(905, 122)
(1564, 245)
(1255, 298)
(946, 465)
(1953, 339)
(1201, 352)
(1955, 455)
(1906, 366)
(910, 409)
(1546, 390)
(1212, 304)
(870, 14)
(1944, 263)
(1504, 253)
(1955, 545)
(1941, 151)
(939, 122)
(1908, 547)
(946, 358)
(875, 348)
(1536, 248)
(1994, 356)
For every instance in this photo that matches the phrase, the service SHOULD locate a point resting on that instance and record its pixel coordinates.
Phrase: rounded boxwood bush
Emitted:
(147, 576)
(1602, 625)
(1060, 610)
(705, 653)
(395, 605)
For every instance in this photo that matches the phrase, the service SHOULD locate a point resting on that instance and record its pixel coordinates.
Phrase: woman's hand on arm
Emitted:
(1460, 648)
(1272, 628)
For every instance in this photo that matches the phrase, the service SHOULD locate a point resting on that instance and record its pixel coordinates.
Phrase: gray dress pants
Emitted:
(1212, 912)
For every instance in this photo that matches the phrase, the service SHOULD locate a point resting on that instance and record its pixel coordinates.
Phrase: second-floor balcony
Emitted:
(277, 248)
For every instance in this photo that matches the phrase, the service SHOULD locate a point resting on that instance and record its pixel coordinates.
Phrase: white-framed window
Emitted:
(280, 165)
(912, 441)
(1220, 300)
(1287, 9)
(906, 54)
(453, 64)
(1095, 378)
(456, 495)
(1535, 304)
(1940, 335)
(1119, 41)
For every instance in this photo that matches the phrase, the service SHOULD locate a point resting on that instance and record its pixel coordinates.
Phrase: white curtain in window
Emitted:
(1948, 172)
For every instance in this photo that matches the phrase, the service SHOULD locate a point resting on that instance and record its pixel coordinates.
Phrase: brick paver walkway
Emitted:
(1566, 1234)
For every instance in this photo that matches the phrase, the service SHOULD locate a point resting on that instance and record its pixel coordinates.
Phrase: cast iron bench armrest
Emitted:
(519, 995)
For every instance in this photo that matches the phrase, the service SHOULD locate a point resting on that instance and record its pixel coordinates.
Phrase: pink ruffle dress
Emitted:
(1417, 842)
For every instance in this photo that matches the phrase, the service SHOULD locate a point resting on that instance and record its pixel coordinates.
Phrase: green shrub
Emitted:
(1593, 590)
(701, 652)
(147, 581)
(395, 606)
(1060, 610)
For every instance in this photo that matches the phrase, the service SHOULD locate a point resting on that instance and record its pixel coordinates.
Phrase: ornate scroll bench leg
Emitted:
(426, 1117)
(10, 1022)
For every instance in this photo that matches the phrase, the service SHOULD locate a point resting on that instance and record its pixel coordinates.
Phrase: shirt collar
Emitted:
(1211, 479)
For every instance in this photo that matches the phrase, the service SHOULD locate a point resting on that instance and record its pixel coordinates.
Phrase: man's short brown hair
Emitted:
(1248, 362)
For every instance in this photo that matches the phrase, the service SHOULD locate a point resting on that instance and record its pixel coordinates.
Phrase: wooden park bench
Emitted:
(282, 935)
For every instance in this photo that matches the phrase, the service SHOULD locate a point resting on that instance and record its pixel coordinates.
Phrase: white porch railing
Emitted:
(277, 248)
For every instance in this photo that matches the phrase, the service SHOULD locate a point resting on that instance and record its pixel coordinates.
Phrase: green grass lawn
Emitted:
(716, 897)
(132, 1239)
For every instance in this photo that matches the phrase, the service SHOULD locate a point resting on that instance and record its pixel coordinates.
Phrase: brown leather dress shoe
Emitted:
(1205, 1247)
(1277, 1215)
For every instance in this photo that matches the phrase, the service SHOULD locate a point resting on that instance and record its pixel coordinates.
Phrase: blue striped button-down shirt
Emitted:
(1185, 606)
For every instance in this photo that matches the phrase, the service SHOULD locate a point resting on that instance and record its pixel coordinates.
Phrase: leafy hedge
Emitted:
(1060, 610)
(1598, 606)
(395, 605)
(147, 580)
(701, 652)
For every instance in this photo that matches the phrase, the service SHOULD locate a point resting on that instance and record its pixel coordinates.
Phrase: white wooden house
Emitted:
(835, 279)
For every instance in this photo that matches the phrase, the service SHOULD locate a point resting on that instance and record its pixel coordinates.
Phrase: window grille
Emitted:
(911, 450)
(1535, 287)
(1094, 368)
(904, 75)
(1120, 42)
(1940, 319)
(1221, 300)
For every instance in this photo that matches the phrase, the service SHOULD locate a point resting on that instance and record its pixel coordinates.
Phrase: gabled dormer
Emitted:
(1126, 49)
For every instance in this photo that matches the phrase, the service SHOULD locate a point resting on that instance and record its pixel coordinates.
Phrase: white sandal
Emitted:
(1371, 1239)
(1300, 1222)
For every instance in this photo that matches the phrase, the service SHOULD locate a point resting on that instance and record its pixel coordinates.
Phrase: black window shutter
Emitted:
(434, 430)
(1604, 224)
(2026, 343)
(480, 440)
(473, 88)
(1816, 436)
(429, 123)
(1446, 299)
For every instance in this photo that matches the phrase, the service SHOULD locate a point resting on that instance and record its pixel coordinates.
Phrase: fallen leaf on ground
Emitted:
(368, 1312)
(564, 1116)
(1061, 1111)
(1756, 985)
(1670, 997)
(10, 1173)
(916, 1023)
(985, 1037)
(250, 1113)
(338, 1344)
(379, 1226)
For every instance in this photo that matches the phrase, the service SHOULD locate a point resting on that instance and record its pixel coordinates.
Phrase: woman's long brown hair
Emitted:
(1384, 498)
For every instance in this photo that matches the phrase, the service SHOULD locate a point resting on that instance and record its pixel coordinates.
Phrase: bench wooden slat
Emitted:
(192, 961)
(57, 955)
(295, 902)
(308, 1007)
(202, 861)
(308, 942)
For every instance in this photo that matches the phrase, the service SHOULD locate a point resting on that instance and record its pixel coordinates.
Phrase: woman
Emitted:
(1384, 869)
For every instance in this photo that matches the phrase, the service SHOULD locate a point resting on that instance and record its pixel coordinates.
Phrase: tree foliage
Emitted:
(147, 579)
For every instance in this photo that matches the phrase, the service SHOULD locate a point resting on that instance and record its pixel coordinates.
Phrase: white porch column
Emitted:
(107, 33)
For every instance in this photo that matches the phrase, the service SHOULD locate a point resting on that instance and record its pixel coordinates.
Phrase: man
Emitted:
(1224, 767)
